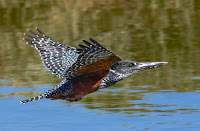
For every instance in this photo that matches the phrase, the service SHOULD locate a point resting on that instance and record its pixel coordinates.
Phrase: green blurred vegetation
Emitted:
(137, 30)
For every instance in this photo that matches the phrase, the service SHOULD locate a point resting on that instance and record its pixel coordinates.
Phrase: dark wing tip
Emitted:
(40, 34)
(88, 43)
(91, 46)
(33, 34)
(83, 47)
(94, 42)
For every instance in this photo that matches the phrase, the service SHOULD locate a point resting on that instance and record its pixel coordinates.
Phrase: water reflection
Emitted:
(135, 30)
(127, 100)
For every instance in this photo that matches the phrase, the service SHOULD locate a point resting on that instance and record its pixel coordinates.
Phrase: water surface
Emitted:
(165, 98)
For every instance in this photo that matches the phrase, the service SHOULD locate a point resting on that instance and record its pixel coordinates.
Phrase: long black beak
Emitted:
(149, 65)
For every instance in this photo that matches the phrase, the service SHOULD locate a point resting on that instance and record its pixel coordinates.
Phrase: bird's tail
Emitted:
(33, 99)
(61, 87)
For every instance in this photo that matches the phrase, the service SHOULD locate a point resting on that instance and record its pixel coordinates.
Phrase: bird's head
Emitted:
(123, 69)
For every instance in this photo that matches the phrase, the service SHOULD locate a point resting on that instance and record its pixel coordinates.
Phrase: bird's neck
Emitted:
(111, 79)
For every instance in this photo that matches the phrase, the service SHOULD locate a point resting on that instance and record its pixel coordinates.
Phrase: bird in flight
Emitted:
(84, 70)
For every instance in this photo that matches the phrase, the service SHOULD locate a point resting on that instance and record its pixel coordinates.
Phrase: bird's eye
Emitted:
(132, 64)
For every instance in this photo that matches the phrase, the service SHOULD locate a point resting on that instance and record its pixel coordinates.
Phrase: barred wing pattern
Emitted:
(63, 60)
(89, 55)
(56, 57)
(70, 63)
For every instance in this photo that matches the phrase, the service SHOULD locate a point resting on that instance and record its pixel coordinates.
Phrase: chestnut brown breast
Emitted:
(87, 83)
(88, 79)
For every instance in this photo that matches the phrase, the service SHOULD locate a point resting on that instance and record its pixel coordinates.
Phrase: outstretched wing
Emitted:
(69, 62)
(56, 57)
(88, 65)
(92, 58)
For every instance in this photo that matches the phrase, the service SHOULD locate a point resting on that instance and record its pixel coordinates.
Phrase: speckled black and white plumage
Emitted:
(57, 57)
(88, 55)
(123, 69)
(64, 60)
(64, 86)
(83, 70)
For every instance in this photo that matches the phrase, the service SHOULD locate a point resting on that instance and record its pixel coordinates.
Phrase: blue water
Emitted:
(169, 111)
(161, 99)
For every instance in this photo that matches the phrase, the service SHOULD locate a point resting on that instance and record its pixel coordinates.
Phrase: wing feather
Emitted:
(91, 57)
(68, 62)
(56, 57)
